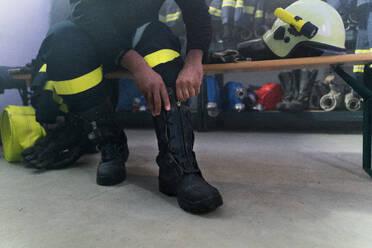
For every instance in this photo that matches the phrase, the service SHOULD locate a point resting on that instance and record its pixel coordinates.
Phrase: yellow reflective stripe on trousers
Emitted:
(214, 11)
(49, 86)
(358, 51)
(174, 16)
(76, 85)
(360, 68)
(63, 107)
(161, 57)
(239, 4)
(56, 98)
(249, 10)
(259, 14)
(170, 17)
(246, 9)
(43, 68)
(228, 3)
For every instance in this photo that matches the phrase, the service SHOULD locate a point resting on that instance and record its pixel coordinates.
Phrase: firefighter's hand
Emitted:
(153, 88)
(60, 148)
(190, 78)
(149, 83)
(49, 155)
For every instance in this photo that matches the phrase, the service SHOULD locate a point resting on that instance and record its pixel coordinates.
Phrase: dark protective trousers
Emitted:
(75, 76)
(74, 69)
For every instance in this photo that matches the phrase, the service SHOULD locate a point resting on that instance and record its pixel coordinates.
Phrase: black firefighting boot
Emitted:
(305, 84)
(179, 174)
(114, 153)
(286, 80)
(112, 143)
(319, 89)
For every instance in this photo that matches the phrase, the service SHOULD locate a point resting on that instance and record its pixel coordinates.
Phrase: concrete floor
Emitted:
(280, 190)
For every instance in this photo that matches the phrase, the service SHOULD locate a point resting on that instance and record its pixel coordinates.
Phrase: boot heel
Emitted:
(167, 188)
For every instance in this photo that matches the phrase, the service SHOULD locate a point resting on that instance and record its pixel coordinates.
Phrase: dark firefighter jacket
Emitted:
(112, 23)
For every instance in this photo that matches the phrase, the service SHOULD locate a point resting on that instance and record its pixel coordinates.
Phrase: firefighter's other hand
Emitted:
(153, 88)
(190, 78)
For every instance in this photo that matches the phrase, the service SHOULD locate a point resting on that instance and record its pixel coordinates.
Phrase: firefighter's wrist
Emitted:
(194, 58)
(134, 62)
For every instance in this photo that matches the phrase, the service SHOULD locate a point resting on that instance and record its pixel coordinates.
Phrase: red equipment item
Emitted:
(269, 95)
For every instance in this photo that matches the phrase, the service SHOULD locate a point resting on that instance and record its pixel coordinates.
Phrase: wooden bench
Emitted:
(289, 64)
(298, 63)
(275, 65)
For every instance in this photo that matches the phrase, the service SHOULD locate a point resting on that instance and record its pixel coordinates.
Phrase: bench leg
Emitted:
(367, 126)
(366, 93)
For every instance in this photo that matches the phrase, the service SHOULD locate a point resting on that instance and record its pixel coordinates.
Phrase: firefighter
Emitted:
(102, 36)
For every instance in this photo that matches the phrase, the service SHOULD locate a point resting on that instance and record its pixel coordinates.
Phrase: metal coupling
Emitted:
(352, 102)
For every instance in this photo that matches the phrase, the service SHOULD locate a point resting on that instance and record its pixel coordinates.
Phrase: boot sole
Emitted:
(165, 189)
(201, 207)
(110, 181)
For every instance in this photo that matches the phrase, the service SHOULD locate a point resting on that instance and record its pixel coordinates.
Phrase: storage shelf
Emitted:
(319, 116)
(334, 121)
(339, 120)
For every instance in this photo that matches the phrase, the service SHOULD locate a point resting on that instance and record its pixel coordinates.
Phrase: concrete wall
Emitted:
(24, 24)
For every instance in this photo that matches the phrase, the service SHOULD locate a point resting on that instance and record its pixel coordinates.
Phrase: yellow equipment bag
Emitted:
(19, 131)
